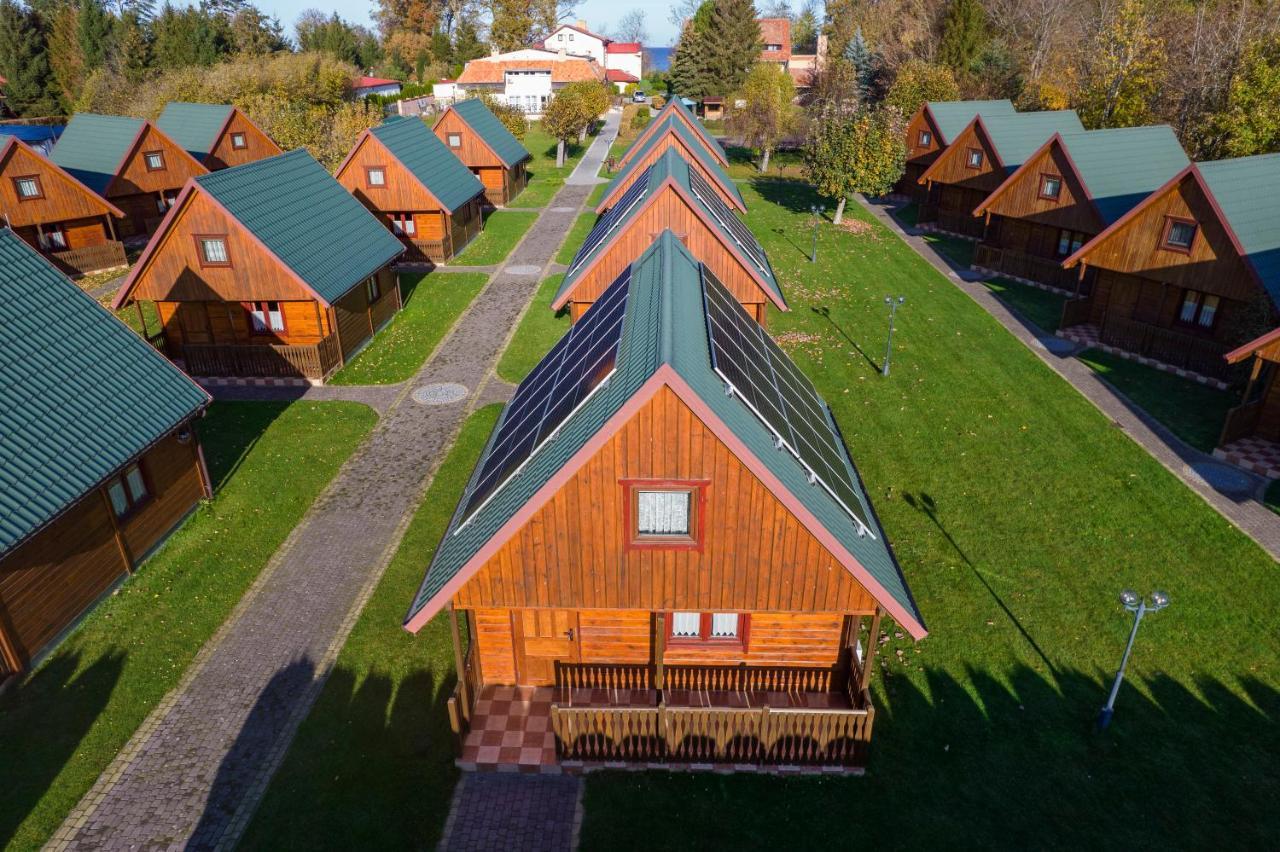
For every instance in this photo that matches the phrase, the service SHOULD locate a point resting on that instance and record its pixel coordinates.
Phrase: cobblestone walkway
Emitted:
(1196, 469)
(192, 774)
(498, 810)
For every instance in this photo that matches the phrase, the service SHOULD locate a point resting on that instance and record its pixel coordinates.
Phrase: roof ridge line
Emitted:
(666, 332)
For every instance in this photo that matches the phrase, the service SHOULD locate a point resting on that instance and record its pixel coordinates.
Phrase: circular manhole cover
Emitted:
(440, 394)
(523, 270)
(1224, 477)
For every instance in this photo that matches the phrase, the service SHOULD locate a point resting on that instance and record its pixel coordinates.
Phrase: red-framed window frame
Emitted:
(924, 138)
(633, 540)
(403, 220)
(212, 264)
(1045, 177)
(239, 141)
(968, 158)
(146, 160)
(267, 331)
(368, 177)
(47, 236)
(18, 192)
(704, 639)
(135, 505)
(1169, 222)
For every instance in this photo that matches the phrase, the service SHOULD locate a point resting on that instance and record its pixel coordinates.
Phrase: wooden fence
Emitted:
(964, 224)
(421, 251)
(313, 361)
(1075, 312)
(78, 261)
(1042, 270)
(689, 678)
(1172, 347)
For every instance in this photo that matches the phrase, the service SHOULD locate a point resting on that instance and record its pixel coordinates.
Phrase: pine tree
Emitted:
(689, 76)
(66, 58)
(733, 45)
(24, 61)
(466, 41)
(863, 62)
(964, 34)
(93, 31)
(131, 48)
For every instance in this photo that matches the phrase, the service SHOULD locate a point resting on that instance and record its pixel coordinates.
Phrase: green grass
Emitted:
(502, 230)
(958, 249)
(537, 333)
(545, 179)
(581, 227)
(593, 200)
(372, 764)
(1018, 514)
(908, 214)
(744, 163)
(62, 726)
(1039, 306)
(1192, 411)
(129, 315)
(432, 303)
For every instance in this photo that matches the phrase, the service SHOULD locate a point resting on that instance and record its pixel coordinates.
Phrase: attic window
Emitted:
(213, 250)
(154, 160)
(238, 142)
(663, 513)
(28, 187)
(1050, 187)
(455, 140)
(924, 140)
(973, 158)
(1179, 234)
(375, 177)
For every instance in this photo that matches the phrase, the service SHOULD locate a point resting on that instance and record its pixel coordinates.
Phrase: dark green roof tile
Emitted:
(693, 142)
(954, 116)
(1016, 137)
(1247, 190)
(1122, 166)
(195, 127)
(495, 134)
(93, 147)
(428, 159)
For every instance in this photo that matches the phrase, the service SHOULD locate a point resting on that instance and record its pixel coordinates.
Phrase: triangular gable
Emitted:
(367, 138)
(675, 108)
(665, 377)
(132, 151)
(509, 159)
(16, 146)
(981, 136)
(1029, 165)
(196, 127)
(688, 141)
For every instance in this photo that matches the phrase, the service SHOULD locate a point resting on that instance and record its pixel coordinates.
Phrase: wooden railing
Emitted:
(604, 676)
(1241, 422)
(314, 361)
(1043, 270)
(762, 735)
(1075, 312)
(90, 258)
(461, 702)
(1172, 347)
(747, 678)
(964, 224)
(419, 251)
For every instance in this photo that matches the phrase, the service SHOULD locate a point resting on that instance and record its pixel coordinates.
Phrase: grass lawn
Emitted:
(502, 230)
(545, 179)
(537, 333)
(1192, 411)
(596, 194)
(581, 227)
(958, 249)
(432, 303)
(745, 163)
(61, 727)
(1040, 306)
(372, 764)
(1018, 514)
(129, 315)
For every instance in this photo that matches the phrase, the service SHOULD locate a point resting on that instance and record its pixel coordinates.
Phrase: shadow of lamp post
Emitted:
(1139, 606)
(893, 313)
(816, 210)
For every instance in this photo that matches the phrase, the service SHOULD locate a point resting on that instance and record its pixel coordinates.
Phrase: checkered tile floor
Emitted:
(1256, 454)
(1085, 334)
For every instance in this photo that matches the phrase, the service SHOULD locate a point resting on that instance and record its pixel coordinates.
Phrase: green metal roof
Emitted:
(672, 165)
(953, 116)
(707, 138)
(1247, 190)
(195, 127)
(694, 143)
(665, 323)
(1122, 166)
(80, 394)
(93, 147)
(296, 208)
(495, 134)
(1016, 137)
(429, 160)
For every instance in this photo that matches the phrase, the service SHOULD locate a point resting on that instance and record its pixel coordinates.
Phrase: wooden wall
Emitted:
(403, 192)
(667, 141)
(65, 199)
(755, 554)
(47, 582)
(950, 168)
(644, 135)
(134, 177)
(260, 145)
(1020, 199)
(227, 323)
(917, 154)
(1212, 266)
(80, 233)
(474, 153)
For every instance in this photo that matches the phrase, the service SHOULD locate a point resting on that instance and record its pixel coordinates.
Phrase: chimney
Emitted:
(493, 51)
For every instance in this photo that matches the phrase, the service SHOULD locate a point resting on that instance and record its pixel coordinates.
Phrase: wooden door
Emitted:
(543, 637)
(194, 322)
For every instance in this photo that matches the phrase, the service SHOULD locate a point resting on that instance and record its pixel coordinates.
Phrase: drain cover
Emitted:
(523, 270)
(440, 394)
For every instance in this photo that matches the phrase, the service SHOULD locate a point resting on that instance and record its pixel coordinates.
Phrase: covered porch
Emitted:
(1251, 434)
(1040, 271)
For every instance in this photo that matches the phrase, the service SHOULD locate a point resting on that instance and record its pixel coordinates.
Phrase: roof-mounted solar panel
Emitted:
(732, 225)
(616, 215)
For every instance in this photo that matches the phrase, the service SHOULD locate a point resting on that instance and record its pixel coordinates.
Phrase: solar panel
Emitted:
(611, 220)
(564, 379)
(759, 373)
(737, 231)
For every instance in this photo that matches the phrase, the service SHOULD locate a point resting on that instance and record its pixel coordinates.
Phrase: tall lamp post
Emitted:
(1139, 606)
(893, 312)
(816, 210)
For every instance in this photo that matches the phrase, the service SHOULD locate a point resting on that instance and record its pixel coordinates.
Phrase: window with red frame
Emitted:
(1050, 187)
(375, 177)
(265, 317)
(154, 160)
(402, 224)
(925, 139)
(708, 628)
(28, 187)
(53, 238)
(1179, 234)
(973, 158)
(238, 142)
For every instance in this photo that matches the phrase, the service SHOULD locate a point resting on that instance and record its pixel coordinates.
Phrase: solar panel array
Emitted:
(617, 213)
(765, 378)
(729, 222)
(581, 362)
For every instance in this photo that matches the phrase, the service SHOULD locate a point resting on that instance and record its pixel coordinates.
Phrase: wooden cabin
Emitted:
(1251, 434)
(56, 214)
(673, 109)
(219, 136)
(931, 129)
(1065, 194)
(979, 159)
(484, 145)
(101, 458)
(671, 194)
(269, 269)
(674, 135)
(415, 185)
(128, 161)
(611, 576)
(1188, 274)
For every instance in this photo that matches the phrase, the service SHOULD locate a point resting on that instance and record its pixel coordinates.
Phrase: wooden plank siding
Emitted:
(755, 554)
(667, 141)
(668, 210)
(47, 582)
(953, 189)
(919, 157)
(64, 200)
(135, 190)
(1072, 210)
(501, 183)
(258, 145)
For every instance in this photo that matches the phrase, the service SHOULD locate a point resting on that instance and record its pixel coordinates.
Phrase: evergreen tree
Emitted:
(93, 31)
(24, 61)
(805, 28)
(863, 63)
(690, 76)
(733, 45)
(964, 35)
(131, 48)
(466, 41)
(66, 58)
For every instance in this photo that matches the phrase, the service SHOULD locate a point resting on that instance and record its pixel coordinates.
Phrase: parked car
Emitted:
(639, 98)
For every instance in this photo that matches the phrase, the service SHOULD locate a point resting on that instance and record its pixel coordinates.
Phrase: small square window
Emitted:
(1050, 187)
(238, 142)
(455, 140)
(925, 139)
(372, 290)
(1180, 234)
(662, 513)
(686, 625)
(154, 161)
(128, 491)
(28, 187)
(973, 158)
(213, 251)
(376, 176)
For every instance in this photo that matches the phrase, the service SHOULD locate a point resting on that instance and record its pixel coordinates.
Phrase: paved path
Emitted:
(192, 774)
(1234, 494)
(587, 172)
(498, 810)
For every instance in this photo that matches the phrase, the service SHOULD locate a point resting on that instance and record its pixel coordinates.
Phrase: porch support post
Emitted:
(457, 660)
(111, 228)
(869, 656)
(1080, 278)
(142, 318)
(1253, 378)
(659, 647)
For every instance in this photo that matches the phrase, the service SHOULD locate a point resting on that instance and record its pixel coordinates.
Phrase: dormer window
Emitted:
(1050, 187)
(973, 158)
(375, 177)
(238, 142)
(154, 160)
(1179, 234)
(924, 140)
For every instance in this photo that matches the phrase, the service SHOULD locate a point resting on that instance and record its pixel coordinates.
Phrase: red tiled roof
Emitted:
(623, 47)
(366, 82)
(775, 31)
(617, 75)
(563, 69)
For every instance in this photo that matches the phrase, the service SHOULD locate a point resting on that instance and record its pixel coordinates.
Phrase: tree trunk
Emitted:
(582, 134)
(839, 217)
(764, 160)
(559, 153)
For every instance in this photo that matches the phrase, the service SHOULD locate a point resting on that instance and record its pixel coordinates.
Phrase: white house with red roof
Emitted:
(525, 78)
(623, 61)
(362, 86)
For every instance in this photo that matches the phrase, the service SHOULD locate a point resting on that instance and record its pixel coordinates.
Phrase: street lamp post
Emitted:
(1139, 606)
(816, 210)
(893, 312)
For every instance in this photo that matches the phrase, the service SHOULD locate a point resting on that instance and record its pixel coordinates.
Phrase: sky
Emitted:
(599, 14)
